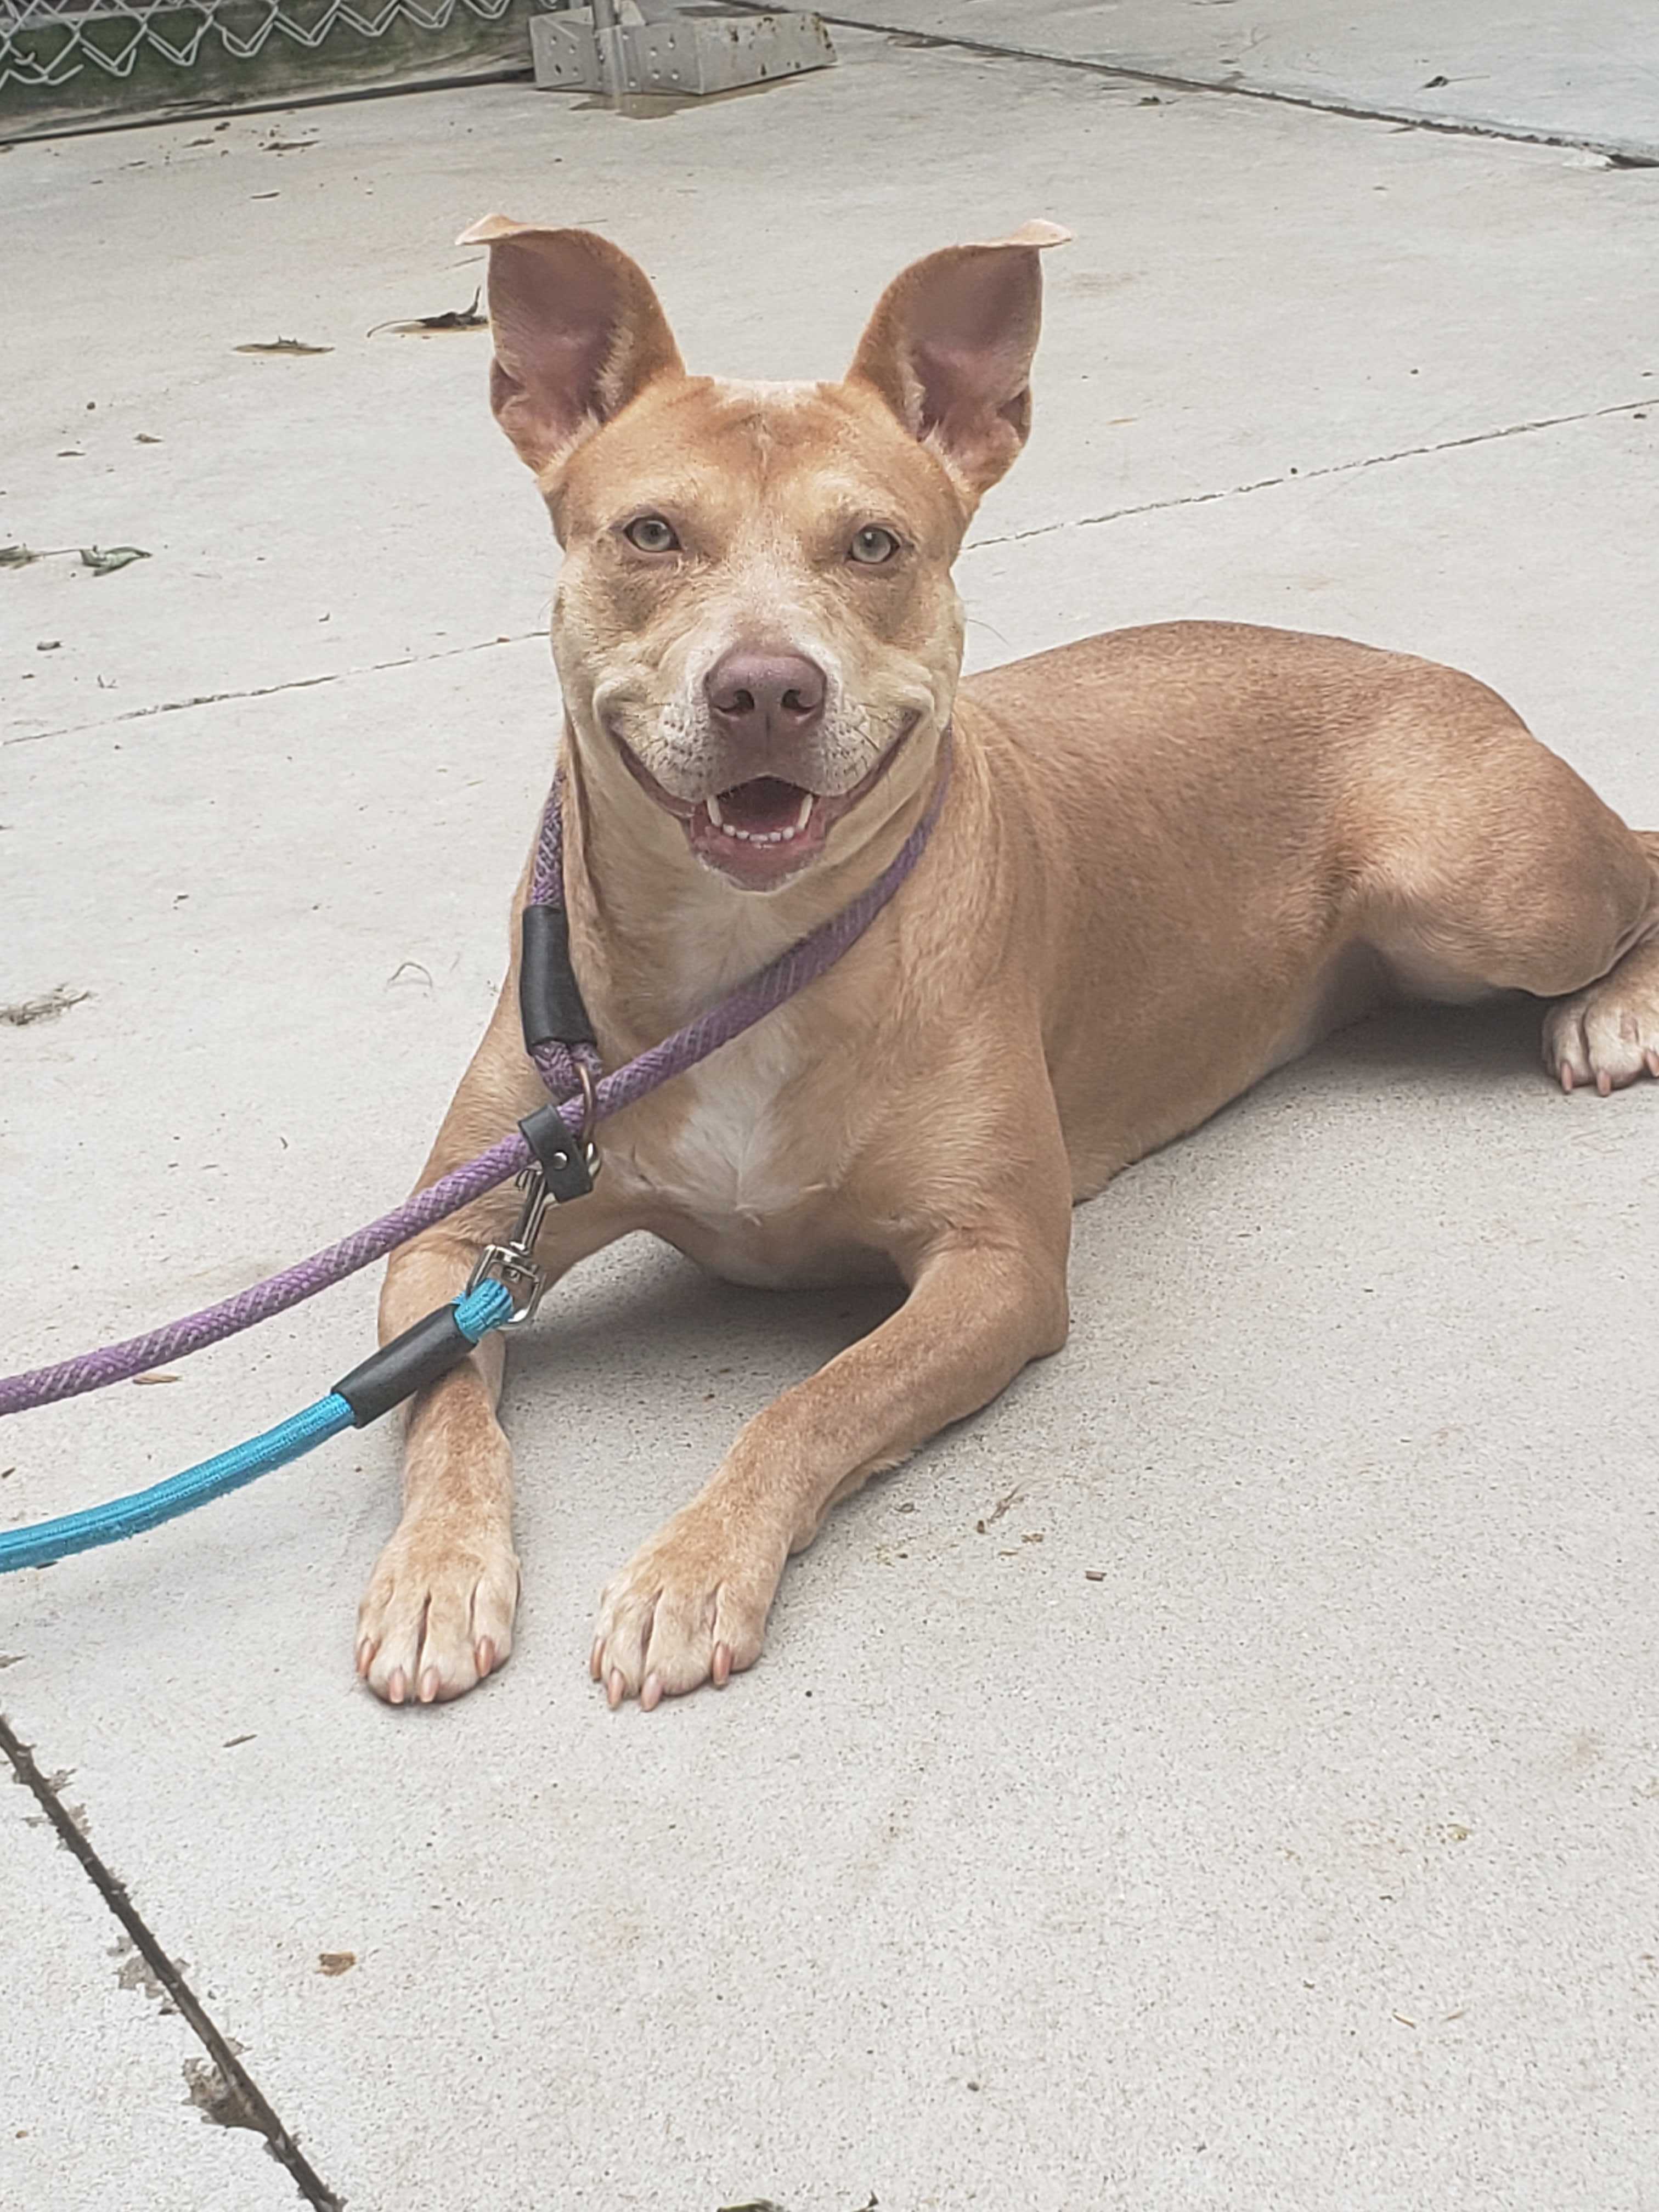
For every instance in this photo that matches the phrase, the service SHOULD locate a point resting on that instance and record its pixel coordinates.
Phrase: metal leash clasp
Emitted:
(563, 1167)
(514, 1263)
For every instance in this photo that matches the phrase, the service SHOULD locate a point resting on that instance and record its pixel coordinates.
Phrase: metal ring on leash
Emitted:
(590, 1112)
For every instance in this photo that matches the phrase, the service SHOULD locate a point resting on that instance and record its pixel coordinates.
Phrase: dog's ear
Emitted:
(949, 346)
(578, 331)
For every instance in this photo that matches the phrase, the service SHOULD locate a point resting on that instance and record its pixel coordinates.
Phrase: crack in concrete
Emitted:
(268, 690)
(1620, 152)
(1311, 475)
(974, 545)
(237, 2098)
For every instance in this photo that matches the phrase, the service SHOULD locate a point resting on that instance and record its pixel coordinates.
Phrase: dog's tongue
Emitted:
(765, 803)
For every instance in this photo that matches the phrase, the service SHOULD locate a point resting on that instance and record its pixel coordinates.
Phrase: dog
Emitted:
(1169, 859)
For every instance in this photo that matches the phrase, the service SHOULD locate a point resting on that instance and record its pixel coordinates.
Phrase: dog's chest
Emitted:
(728, 1153)
(718, 1174)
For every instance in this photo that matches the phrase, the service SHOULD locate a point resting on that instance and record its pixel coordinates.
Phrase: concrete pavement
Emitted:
(1305, 1860)
(1583, 74)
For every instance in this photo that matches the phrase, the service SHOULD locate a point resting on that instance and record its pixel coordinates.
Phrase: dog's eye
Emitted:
(652, 534)
(872, 546)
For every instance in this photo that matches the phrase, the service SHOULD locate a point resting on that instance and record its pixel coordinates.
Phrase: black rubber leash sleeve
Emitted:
(405, 1365)
(549, 999)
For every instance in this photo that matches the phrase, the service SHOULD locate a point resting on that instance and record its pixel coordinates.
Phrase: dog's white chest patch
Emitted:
(722, 1161)
(727, 1150)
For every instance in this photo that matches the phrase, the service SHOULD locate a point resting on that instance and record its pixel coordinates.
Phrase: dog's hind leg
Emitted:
(1608, 1034)
(1490, 866)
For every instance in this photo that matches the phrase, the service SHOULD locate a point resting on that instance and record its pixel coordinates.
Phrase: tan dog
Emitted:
(1169, 859)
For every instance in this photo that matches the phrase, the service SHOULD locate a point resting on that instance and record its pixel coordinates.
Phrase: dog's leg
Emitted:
(691, 1605)
(437, 1615)
(1500, 869)
(1608, 1034)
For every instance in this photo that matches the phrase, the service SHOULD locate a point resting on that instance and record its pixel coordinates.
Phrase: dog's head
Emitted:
(756, 617)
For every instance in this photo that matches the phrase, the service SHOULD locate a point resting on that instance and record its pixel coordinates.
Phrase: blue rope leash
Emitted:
(475, 1315)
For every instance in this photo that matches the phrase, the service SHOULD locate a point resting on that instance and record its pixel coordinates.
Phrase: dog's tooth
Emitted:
(714, 814)
(806, 814)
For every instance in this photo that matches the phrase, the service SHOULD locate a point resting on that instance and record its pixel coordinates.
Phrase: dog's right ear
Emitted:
(578, 331)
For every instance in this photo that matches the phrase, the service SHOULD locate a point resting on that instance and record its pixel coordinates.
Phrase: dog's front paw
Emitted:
(437, 1616)
(689, 1607)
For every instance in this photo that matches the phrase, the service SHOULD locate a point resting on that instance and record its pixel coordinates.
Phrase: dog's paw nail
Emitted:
(721, 1672)
(596, 1660)
(1604, 1084)
(615, 1689)
(483, 1656)
(1566, 1077)
(396, 1689)
(431, 1682)
(366, 1651)
(1651, 1059)
(651, 1695)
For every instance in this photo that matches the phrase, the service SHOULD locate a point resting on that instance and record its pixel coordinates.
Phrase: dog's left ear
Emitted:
(949, 346)
(579, 333)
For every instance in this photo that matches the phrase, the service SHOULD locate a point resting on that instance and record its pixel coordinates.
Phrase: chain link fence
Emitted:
(69, 62)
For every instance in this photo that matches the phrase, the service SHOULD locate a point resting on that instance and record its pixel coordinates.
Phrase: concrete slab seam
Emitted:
(204, 111)
(271, 690)
(974, 545)
(255, 2109)
(1618, 155)
(1310, 476)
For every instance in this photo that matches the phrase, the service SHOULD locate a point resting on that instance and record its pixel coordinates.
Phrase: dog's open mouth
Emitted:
(766, 811)
(763, 831)
(763, 828)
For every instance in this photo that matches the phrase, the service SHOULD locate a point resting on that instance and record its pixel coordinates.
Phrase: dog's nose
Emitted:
(765, 695)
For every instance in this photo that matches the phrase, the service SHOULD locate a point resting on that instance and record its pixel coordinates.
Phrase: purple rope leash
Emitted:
(799, 964)
(557, 1064)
